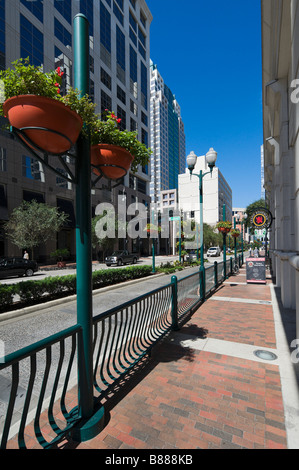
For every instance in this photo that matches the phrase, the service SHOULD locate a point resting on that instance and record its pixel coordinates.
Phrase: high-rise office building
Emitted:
(167, 138)
(119, 37)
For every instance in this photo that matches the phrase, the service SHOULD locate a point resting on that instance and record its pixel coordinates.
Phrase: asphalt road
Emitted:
(44, 272)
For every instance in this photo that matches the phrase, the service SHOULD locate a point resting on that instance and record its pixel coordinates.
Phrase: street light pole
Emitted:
(235, 240)
(211, 157)
(224, 243)
(92, 420)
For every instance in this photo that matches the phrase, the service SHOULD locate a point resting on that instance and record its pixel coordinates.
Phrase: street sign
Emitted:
(175, 218)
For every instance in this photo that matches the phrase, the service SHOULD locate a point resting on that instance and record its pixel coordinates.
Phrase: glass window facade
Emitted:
(31, 42)
(32, 169)
(105, 78)
(120, 48)
(118, 14)
(121, 113)
(106, 102)
(65, 9)
(143, 85)
(62, 33)
(133, 64)
(36, 8)
(86, 7)
(105, 23)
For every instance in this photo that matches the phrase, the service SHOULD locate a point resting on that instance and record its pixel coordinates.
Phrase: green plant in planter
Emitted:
(224, 224)
(27, 79)
(60, 254)
(235, 232)
(108, 132)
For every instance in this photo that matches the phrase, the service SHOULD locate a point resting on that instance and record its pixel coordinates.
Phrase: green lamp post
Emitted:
(211, 158)
(91, 419)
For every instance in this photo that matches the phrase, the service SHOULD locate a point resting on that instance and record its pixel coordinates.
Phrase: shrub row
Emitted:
(33, 292)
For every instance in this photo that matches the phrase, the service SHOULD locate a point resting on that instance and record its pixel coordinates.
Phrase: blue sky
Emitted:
(209, 55)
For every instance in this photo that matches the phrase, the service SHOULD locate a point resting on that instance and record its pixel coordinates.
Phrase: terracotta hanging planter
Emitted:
(224, 229)
(110, 160)
(63, 125)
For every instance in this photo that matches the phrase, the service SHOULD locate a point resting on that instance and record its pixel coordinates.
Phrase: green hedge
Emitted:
(33, 292)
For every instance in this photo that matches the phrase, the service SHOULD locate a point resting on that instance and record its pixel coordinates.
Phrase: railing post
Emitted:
(231, 265)
(174, 303)
(202, 282)
(215, 273)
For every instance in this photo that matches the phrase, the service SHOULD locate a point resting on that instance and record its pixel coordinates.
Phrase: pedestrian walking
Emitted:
(26, 255)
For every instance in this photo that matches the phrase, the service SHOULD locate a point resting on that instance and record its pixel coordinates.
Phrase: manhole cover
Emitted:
(266, 355)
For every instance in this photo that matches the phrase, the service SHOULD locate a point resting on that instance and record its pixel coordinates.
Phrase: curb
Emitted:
(52, 303)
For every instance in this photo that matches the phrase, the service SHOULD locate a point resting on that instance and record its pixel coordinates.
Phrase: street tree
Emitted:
(33, 223)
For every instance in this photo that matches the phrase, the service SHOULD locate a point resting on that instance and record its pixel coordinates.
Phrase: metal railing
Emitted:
(41, 376)
(35, 387)
(125, 334)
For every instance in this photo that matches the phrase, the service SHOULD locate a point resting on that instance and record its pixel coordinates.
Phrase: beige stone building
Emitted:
(280, 69)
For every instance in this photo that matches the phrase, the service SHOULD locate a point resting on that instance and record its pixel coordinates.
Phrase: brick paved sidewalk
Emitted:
(190, 396)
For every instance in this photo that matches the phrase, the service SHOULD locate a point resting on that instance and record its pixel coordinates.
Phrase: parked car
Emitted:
(214, 251)
(121, 257)
(17, 267)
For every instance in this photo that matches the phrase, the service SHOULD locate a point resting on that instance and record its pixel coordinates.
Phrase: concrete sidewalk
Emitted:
(204, 387)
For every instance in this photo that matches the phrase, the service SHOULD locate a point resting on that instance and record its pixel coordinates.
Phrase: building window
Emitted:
(32, 42)
(133, 125)
(133, 3)
(36, 8)
(133, 22)
(62, 182)
(118, 14)
(143, 85)
(144, 118)
(143, 19)
(120, 4)
(121, 95)
(120, 55)
(105, 35)
(3, 166)
(62, 33)
(106, 102)
(32, 169)
(133, 108)
(105, 78)
(63, 61)
(65, 9)
(122, 115)
(86, 7)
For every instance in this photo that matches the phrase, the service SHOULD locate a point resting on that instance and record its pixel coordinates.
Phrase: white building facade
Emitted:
(216, 193)
(280, 39)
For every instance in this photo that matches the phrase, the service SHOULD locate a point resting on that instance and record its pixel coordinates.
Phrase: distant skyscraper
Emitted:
(167, 137)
